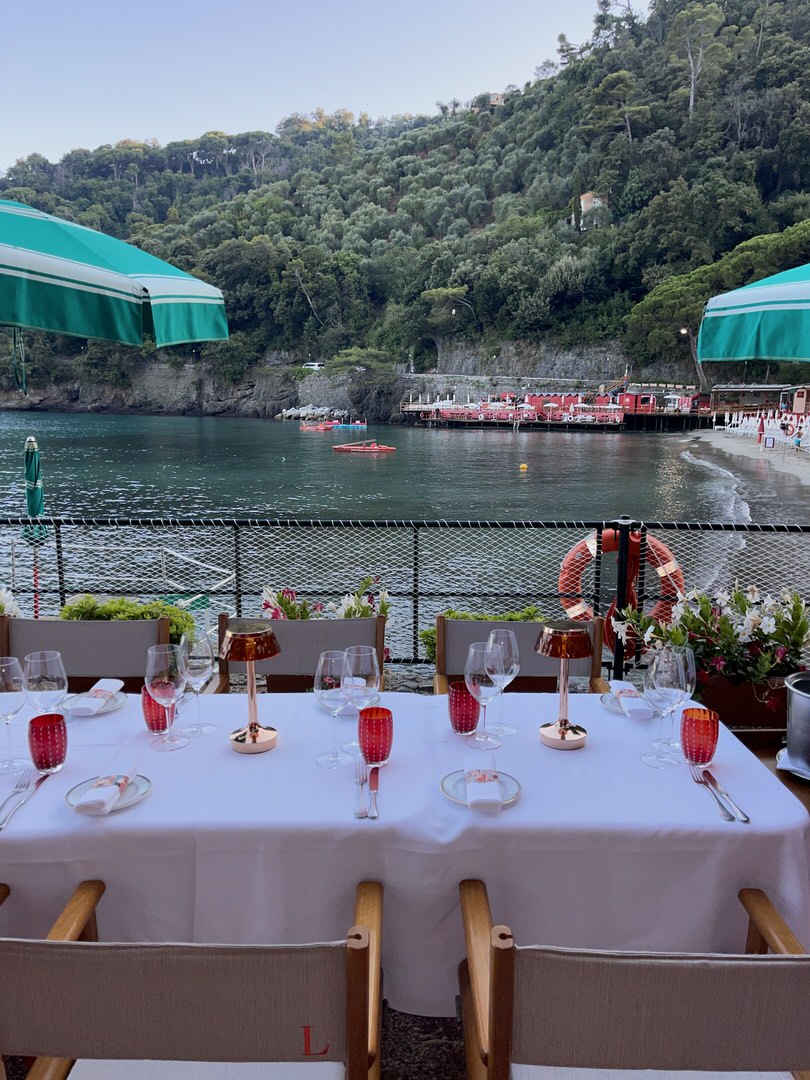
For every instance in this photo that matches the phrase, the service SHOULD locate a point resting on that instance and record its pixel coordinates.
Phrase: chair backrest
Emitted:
(454, 637)
(580, 1009)
(91, 649)
(81, 999)
(302, 641)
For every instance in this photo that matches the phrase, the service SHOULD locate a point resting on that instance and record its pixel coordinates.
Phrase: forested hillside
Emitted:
(336, 234)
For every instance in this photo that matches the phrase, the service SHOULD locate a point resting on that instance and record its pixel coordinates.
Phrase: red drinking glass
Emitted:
(463, 707)
(47, 742)
(159, 718)
(700, 729)
(375, 733)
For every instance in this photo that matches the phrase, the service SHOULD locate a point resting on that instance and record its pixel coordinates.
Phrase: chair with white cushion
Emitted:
(91, 649)
(197, 1012)
(302, 641)
(537, 1013)
(537, 673)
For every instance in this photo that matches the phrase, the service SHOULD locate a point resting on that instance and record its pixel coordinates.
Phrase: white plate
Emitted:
(135, 790)
(117, 701)
(783, 762)
(454, 788)
(611, 702)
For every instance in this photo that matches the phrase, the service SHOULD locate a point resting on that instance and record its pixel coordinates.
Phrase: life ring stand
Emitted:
(658, 557)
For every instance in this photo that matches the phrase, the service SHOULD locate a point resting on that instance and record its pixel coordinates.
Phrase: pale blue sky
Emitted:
(88, 72)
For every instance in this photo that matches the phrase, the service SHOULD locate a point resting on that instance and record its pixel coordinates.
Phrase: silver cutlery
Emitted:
(26, 796)
(699, 778)
(24, 781)
(360, 777)
(718, 788)
(373, 784)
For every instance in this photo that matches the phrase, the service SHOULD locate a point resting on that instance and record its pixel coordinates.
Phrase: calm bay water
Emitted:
(106, 465)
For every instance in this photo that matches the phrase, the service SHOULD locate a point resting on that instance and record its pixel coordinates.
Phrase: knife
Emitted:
(373, 785)
(720, 790)
(23, 800)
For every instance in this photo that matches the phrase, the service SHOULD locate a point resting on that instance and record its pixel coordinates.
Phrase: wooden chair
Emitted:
(569, 1009)
(135, 1011)
(302, 641)
(91, 650)
(537, 673)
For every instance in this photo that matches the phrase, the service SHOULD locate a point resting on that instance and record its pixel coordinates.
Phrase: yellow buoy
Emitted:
(524, 467)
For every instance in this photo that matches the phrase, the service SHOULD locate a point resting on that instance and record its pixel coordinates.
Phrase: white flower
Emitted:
(649, 633)
(753, 594)
(8, 605)
(768, 625)
(621, 630)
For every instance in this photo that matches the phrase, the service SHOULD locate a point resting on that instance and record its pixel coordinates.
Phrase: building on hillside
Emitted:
(592, 211)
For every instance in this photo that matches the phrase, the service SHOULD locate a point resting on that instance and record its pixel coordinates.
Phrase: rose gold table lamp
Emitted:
(246, 641)
(564, 640)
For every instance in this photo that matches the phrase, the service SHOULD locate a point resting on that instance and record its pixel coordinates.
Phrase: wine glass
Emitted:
(45, 681)
(12, 699)
(363, 682)
(505, 673)
(690, 681)
(165, 682)
(199, 669)
(665, 688)
(332, 692)
(482, 667)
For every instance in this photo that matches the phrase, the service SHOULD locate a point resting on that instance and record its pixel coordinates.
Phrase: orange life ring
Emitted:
(790, 430)
(658, 556)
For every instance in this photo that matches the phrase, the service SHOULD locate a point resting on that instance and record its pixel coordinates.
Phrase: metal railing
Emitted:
(488, 567)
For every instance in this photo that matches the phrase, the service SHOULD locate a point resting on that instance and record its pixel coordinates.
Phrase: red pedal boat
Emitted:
(369, 446)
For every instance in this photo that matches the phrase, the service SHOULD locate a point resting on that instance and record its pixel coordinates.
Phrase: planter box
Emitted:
(746, 706)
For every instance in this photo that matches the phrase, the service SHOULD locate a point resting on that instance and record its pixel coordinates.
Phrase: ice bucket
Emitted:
(798, 718)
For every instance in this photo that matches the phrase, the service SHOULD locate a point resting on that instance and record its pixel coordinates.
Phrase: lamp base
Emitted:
(571, 738)
(253, 739)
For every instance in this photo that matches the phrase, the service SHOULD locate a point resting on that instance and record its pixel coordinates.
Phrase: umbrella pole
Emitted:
(36, 584)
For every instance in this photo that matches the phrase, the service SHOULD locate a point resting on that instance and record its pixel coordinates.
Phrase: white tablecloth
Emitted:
(599, 850)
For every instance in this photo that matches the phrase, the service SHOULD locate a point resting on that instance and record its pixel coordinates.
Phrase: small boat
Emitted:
(326, 425)
(354, 425)
(369, 446)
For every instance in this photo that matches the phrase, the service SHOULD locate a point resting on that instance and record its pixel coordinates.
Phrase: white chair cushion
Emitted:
(542, 1072)
(207, 1070)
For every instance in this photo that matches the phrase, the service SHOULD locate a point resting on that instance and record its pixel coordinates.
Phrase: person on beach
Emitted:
(797, 442)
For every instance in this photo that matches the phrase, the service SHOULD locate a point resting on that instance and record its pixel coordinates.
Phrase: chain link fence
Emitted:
(215, 565)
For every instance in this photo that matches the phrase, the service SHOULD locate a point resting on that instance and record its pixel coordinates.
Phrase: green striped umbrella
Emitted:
(35, 507)
(66, 279)
(768, 320)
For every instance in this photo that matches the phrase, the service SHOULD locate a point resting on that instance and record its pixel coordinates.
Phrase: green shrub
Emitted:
(87, 607)
(532, 613)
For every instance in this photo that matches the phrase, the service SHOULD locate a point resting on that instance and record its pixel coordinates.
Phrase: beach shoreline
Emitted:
(752, 458)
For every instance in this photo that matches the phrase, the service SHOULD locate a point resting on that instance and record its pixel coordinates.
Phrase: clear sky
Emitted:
(88, 72)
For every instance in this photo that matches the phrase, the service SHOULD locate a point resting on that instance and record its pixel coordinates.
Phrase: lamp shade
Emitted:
(248, 640)
(565, 639)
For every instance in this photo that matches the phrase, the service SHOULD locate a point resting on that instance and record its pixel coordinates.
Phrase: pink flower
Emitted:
(317, 606)
(370, 600)
(717, 662)
(288, 594)
(386, 654)
(275, 611)
(780, 652)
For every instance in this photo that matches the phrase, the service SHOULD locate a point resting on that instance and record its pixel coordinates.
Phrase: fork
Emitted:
(699, 778)
(24, 781)
(360, 777)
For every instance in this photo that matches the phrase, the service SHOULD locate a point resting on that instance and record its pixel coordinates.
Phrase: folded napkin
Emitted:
(631, 701)
(96, 697)
(481, 782)
(110, 786)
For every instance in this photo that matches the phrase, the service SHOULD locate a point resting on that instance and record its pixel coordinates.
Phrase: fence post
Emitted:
(60, 564)
(237, 570)
(623, 524)
(415, 593)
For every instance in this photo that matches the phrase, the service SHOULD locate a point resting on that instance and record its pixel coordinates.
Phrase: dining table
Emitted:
(592, 849)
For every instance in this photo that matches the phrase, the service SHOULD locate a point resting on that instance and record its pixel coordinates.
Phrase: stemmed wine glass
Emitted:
(199, 669)
(690, 682)
(165, 682)
(332, 692)
(362, 681)
(45, 681)
(665, 687)
(483, 666)
(12, 699)
(503, 674)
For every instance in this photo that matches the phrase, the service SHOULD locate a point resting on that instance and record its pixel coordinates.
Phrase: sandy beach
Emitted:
(780, 459)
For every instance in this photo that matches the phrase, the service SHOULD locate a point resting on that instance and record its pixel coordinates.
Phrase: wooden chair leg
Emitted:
(77, 921)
